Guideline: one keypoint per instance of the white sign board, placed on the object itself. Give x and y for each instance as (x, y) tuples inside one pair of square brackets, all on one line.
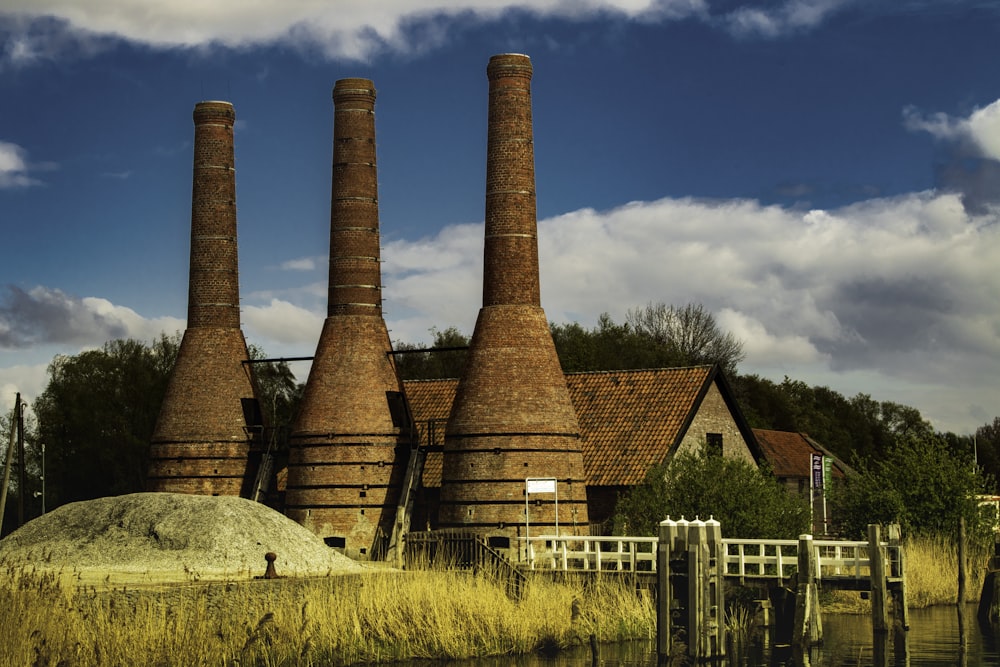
[(540, 485)]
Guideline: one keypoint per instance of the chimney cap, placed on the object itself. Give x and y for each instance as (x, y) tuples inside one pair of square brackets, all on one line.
[(509, 64), (353, 87), (216, 109)]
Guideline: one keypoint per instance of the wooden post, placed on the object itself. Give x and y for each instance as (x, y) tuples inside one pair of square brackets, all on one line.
[(808, 628), (664, 593), (962, 594), (900, 609), (697, 584), (876, 556), (716, 595)]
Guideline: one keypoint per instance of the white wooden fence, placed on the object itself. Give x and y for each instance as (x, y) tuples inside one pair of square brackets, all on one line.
[(743, 559)]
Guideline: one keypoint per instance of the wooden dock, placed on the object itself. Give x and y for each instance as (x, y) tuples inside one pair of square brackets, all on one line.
[(689, 563)]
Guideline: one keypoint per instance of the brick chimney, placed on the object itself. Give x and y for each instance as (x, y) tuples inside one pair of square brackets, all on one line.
[(512, 418), (209, 416), (350, 440)]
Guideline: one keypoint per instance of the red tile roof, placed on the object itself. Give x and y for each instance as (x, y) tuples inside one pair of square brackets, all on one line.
[(629, 420), (788, 453)]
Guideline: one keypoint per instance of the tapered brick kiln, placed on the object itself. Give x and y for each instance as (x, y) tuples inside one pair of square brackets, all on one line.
[(512, 419), (209, 417), (350, 440)]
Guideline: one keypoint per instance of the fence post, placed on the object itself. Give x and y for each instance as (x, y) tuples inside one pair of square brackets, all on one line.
[(666, 535), (808, 628), (876, 558), (716, 587), (900, 609), (697, 580)]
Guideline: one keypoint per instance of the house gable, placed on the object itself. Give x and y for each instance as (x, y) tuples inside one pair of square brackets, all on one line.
[(713, 416)]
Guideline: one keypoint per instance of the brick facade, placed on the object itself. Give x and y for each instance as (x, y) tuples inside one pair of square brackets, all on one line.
[(512, 417), (348, 455), (202, 440), (714, 416)]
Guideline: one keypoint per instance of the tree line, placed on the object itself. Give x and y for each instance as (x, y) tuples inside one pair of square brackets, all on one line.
[(98, 411)]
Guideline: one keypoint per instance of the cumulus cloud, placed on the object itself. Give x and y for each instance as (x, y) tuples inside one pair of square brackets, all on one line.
[(980, 131), (14, 167), (891, 290), (39, 30), (971, 163), (43, 316), (353, 29), (284, 323), (787, 17)]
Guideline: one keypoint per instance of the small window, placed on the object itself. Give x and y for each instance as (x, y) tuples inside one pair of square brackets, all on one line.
[(713, 442)]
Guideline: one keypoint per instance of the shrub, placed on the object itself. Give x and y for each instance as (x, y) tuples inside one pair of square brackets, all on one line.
[(748, 501)]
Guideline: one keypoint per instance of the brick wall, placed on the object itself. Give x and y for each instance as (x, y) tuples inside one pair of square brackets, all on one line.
[(714, 417)]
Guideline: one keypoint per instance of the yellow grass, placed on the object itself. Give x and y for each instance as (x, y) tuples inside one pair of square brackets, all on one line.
[(342, 620), (931, 576)]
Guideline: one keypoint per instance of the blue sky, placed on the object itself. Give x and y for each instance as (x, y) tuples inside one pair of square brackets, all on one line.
[(823, 175)]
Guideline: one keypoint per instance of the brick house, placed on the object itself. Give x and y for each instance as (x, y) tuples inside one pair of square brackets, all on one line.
[(789, 455), (629, 420)]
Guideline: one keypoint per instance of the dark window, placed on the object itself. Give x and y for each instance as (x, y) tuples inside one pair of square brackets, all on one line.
[(714, 444), (335, 542), (498, 541), (251, 412)]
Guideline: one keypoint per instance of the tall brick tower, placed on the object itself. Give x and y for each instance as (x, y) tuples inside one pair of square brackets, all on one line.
[(350, 440), (207, 422), (512, 418)]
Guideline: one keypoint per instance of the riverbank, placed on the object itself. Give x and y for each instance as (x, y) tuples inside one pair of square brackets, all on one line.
[(346, 619), (931, 576), (357, 616)]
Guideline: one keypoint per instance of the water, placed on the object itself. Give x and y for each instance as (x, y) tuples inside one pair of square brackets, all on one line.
[(933, 642)]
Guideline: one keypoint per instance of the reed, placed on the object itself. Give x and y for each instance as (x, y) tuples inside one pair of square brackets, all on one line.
[(931, 575), (341, 620)]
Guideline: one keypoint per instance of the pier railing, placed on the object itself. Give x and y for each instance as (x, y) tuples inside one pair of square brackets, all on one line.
[(837, 561)]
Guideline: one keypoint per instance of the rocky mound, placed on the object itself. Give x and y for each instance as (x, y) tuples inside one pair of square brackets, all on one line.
[(169, 537)]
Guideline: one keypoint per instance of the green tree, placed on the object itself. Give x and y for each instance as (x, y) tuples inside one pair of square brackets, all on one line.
[(440, 360), (920, 484), (277, 390), (97, 415), (748, 501), (987, 448)]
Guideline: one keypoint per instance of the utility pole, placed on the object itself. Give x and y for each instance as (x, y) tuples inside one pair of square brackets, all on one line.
[(7, 463), (22, 478)]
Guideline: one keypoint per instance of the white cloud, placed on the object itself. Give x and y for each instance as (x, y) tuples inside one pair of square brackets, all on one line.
[(896, 297), (791, 16), (980, 130), (300, 264), (14, 167), (38, 30), (28, 380), (900, 289), (44, 316), (283, 323), (351, 29)]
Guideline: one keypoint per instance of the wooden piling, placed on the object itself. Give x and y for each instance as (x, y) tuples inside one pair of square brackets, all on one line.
[(879, 593), (962, 594), (666, 534), (900, 609), (808, 625)]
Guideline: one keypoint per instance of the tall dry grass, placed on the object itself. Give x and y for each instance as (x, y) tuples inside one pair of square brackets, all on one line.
[(931, 576), (932, 571), (342, 620)]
